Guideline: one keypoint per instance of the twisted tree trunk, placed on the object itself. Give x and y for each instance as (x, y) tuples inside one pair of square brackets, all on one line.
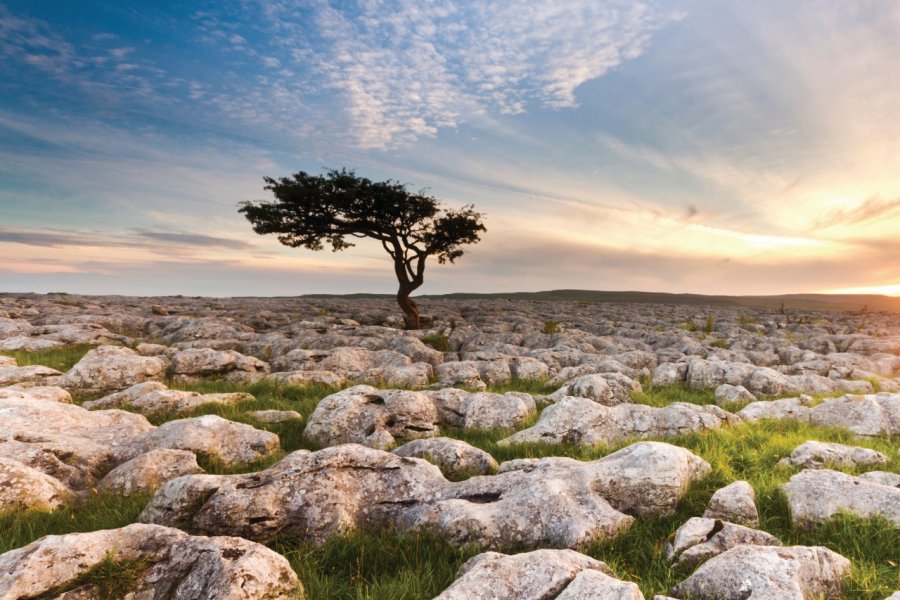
[(410, 309)]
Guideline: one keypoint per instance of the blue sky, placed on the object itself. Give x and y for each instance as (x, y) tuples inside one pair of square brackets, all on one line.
[(713, 147)]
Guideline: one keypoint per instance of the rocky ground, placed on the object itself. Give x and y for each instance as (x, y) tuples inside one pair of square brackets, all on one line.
[(156, 448)]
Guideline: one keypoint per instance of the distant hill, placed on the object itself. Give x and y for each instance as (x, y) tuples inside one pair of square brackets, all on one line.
[(838, 302)]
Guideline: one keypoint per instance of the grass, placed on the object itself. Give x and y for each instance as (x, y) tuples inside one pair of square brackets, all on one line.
[(390, 565), (61, 359), (438, 341)]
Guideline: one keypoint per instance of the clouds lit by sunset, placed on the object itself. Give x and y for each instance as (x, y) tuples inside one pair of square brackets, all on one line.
[(736, 148)]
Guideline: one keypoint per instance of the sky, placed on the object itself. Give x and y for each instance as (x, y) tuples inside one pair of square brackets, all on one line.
[(675, 146)]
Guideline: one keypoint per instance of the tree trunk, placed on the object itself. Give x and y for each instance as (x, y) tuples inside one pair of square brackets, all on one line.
[(410, 309)]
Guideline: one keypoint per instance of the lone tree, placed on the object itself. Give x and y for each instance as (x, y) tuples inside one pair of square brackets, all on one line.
[(310, 210)]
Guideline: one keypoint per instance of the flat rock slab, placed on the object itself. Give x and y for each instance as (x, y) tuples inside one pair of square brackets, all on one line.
[(177, 565), (582, 421), (35, 393), (768, 573), (816, 455), (12, 374), (538, 575), (552, 502), (816, 495), (153, 399)]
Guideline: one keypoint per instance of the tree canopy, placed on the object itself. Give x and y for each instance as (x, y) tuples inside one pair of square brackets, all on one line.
[(311, 211)]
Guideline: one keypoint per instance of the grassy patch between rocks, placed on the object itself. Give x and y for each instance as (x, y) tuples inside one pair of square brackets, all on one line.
[(387, 565), (661, 396), (19, 528), (61, 359)]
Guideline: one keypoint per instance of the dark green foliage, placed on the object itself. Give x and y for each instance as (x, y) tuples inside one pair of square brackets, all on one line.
[(311, 211)]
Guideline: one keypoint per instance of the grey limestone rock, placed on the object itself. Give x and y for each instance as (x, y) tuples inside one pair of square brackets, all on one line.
[(736, 503), (178, 566), (748, 572)]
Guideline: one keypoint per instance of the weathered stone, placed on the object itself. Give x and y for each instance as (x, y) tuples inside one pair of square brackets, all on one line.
[(147, 472), (787, 408), (669, 374), (275, 416), (700, 539), (482, 410), (864, 415), (608, 389), (733, 394), (35, 393), (463, 374), (372, 417), (177, 566), (196, 363), (23, 488), (37, 374), (109, 368), (327, 378), (815, 455), (297, 496), (582, 421), (551, 502), (736, 503), (538, 575), (453, 457), (152, 398), (816, 495), (210, 436), (768, 573)]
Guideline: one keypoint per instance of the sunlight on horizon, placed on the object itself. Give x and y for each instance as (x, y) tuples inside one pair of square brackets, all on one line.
[(883, 290)]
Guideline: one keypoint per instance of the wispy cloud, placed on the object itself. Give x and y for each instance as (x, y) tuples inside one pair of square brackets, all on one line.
[(61, 238), (405, 69)]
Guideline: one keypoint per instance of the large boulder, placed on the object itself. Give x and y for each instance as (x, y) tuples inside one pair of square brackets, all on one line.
[(193, 364), (816, 495), (582, 421), (559, 502), (748, 572), (375, 418), (552, 502), (175, 565), (308, 496), (538, 575), (111, 368), (482, 410), (874, 414)]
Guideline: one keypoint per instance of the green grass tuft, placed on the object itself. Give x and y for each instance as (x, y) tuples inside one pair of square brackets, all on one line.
[(61, 359), (438, 341)]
